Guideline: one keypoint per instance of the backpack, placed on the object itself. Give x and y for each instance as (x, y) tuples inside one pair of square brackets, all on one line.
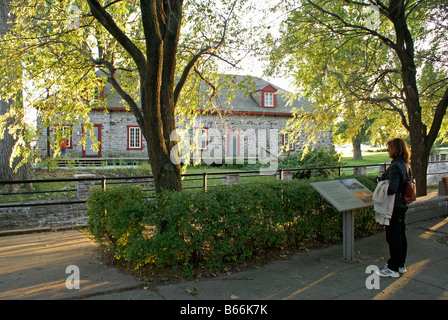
[(409, 194)]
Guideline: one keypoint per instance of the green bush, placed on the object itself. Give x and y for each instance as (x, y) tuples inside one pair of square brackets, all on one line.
[(116, 218), (319, 157), (208, 229)]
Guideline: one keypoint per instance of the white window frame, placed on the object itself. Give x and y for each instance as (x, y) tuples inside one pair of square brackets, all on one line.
[(268, 99), (135, 138)]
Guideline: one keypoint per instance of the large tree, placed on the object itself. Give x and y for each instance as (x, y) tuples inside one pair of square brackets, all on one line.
[(147, 49), (388, 55), (9, 143)]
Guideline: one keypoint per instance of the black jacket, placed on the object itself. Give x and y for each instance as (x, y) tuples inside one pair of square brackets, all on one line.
[(396, 174)]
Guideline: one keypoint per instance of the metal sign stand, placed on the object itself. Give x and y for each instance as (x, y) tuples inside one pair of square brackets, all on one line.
[(346, 196), (348, 243)]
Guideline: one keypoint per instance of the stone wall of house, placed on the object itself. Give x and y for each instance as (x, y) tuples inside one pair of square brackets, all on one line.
[(114, 135), (114, 130), (249, 139)]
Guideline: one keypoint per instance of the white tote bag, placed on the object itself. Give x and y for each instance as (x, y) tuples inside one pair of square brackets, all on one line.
[(383, 204)]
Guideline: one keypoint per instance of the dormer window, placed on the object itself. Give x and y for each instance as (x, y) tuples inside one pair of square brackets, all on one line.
[(269, 97)]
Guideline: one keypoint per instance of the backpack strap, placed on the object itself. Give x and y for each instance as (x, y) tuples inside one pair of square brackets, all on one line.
[(408, 171)]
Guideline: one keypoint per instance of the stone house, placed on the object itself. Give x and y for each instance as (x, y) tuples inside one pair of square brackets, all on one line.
[(242, 127)]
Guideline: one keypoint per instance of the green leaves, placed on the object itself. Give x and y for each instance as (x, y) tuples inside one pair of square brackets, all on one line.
[(211, 228), (56, 50), (344, 58)]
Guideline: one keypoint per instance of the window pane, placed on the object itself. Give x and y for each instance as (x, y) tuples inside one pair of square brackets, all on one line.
[(137, 138), (134, 138), (269, 99)]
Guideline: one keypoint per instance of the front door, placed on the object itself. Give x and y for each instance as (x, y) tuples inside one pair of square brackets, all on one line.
[(90, 150)]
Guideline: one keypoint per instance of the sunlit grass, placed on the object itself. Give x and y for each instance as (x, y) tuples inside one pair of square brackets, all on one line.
[(368, 158)]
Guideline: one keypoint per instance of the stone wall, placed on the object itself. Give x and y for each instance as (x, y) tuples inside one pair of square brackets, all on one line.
[(72, 212), (114, 130), (114, 135), (39, 214), (436, 171), (427, 208), (48, 213)]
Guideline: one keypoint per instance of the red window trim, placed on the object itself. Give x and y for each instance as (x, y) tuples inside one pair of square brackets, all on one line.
[(99, 139), (128, 147), (70, 140), (269, 89)]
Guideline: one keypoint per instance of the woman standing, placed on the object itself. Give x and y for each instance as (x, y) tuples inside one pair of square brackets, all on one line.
[(395, 231)]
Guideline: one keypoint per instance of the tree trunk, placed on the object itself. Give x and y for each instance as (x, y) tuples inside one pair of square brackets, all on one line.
[(420, 145), (357, 155), (419, 163), (6, 146), (7, 143), (156, 83), (166, 174)]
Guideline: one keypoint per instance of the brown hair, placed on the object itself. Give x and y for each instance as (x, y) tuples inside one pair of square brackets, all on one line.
[(399, 148)]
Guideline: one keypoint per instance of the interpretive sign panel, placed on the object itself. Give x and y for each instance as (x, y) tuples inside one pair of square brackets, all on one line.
[(345, 195)]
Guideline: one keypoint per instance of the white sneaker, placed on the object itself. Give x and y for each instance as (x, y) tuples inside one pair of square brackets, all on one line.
[(402, 270), (386, 272)]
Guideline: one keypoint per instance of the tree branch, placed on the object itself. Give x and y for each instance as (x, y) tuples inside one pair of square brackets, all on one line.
[(438, 118), (379, 102), (106, 20), (111, 79), (384, 39), (208, 82), (196, 57)]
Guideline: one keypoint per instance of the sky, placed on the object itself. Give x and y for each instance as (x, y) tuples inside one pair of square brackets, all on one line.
[(266, 17)]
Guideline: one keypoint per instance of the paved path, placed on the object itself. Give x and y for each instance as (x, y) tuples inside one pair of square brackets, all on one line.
[(33, 266)]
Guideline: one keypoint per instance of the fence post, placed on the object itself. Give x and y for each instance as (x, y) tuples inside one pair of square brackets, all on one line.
[(103, 183), (83, 186), (284, 175), (204, 181)]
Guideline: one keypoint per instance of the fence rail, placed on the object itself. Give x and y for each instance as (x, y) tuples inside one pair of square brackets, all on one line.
[(205, 177)]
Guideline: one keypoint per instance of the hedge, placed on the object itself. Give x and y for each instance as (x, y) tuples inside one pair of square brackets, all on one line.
[(225, 223)]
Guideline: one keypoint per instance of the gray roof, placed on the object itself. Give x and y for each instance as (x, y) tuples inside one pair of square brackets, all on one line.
[(242, 94), (235, 93)]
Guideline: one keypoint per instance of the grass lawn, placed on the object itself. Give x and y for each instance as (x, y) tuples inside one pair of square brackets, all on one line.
[(368, 158), (213, 180)]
